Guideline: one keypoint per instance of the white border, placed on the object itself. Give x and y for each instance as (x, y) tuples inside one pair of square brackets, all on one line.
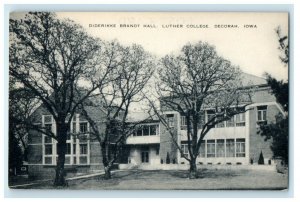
[(4, 102)]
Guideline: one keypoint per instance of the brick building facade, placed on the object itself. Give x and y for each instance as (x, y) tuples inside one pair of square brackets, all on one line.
[(233, 142)]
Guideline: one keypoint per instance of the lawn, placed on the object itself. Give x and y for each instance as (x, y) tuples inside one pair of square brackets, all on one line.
[(209, 179)]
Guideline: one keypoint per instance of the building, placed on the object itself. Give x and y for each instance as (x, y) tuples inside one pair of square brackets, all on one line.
[(232, 142)]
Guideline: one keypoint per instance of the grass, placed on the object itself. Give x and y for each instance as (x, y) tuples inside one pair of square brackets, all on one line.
[(209, 179)]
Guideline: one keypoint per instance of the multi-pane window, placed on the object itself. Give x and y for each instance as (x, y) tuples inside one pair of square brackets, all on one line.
[(77, 149), (220, 148), (230, 149), (146, 130), (240, 120), (211, 148), (240, 147), (48, 142), (185, 150), (170, 120), (261, 113)]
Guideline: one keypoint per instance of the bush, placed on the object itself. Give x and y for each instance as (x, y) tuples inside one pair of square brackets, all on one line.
[(261, 160), (168, 159)]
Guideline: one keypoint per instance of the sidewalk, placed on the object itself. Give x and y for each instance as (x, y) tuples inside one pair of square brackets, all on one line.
[(36, 182)]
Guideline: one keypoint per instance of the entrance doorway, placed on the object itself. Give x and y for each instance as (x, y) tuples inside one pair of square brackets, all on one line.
[(145, 156)]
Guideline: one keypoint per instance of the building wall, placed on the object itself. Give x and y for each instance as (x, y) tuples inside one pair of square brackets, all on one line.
[(135, 154), (254, 142), (167, 145), (37, 169), (257, 142)]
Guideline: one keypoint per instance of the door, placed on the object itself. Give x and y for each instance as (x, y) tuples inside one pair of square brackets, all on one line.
[(145, 156)]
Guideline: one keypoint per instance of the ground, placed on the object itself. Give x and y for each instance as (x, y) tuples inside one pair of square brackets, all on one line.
[(209, 179)]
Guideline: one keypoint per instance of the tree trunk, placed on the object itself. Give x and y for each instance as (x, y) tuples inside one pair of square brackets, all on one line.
[(61, 151), (107, 174), (193, 169), (105, 161)]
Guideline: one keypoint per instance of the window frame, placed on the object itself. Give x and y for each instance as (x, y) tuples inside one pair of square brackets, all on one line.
[(240, 151), (72, 157), (240, 120), (211, 148)]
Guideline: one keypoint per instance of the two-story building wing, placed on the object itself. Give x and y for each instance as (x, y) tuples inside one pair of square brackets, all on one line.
[(232, 142)]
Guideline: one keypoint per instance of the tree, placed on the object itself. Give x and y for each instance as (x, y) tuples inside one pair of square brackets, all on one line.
[(133, 67), (54, 59), (196, 80), (21, 105), (279, 131)]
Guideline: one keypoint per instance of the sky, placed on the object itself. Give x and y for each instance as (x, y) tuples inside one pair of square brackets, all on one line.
[(254, 50)]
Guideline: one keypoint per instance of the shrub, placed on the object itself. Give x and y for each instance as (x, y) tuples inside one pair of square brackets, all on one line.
[(261, 160)]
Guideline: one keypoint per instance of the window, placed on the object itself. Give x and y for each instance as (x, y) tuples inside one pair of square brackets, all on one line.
[(83, 148), (68, 149), (230, 150), (48, 142), (230, 122), (220, 148), (185, 150), (261, 113), (240, 120), (202, 149), (139, 132), (83, 127), (48, 149), (211, 148), (47, 139), (183, 123), (48, 127), (170, 120), (153, 129), (147, 130), (76, 150), (240, 147)]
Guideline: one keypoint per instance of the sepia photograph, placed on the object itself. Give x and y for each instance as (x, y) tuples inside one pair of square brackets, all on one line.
[(149, 100)]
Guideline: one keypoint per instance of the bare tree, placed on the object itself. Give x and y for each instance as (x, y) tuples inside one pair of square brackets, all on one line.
[(54, 59), (283, 46), (21, 105), (133, 67), (197, 80)]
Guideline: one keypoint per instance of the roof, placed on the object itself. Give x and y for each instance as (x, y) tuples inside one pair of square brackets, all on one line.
[(140, 116), (250, 80)]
